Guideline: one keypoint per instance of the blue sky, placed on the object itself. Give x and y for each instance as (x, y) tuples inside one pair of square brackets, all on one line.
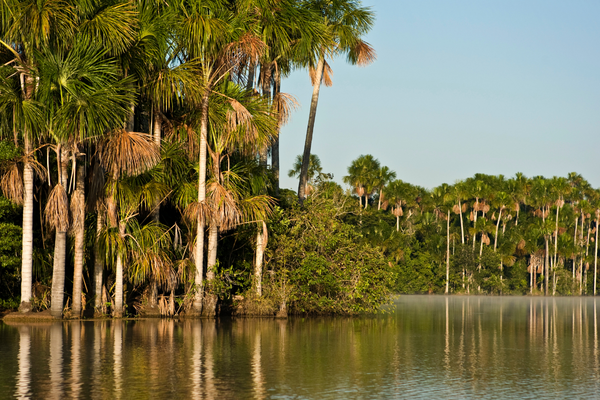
[(461, 87)]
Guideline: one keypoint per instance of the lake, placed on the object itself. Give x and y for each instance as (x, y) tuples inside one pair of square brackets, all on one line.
[(424, 347)]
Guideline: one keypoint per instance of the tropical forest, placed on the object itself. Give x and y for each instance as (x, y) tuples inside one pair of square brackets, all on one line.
[(140, 175)]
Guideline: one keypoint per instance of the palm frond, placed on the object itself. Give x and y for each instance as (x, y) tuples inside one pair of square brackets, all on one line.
[(126, 153), (56, 212)]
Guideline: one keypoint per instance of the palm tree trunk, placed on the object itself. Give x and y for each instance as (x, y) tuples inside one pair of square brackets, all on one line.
[(310, 129), (199, 253), (98, 264), (118, 309), (213, 236), (275, 145), (475, 223), (156, 134), (397, 223), (27, 250), (546, 272), (58, 274), (448, 253), (462, 227), (497, 226), (60, 249), (265, 70), (79, 245), (259, 262), (596, 253), (556, 239)]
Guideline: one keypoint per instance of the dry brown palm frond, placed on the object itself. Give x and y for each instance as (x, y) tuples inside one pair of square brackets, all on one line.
[(128, 153), (77, 212), (283, 105), (238, 115), (485, 239), (385, 205), (12, 183), (360, 191), (485, 207), (521, 244), (225, 212), (471, 216), (194, 209), (365, 54), (456, 209), (560, 203), (516, 207), (398, 212), (464, 207), (325, 78), (57, 209), (247, 49)]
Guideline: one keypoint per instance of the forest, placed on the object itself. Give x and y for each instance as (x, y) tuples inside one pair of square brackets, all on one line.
[(139, 167)]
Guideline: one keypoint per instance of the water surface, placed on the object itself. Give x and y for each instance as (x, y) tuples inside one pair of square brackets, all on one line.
[(429, 346)]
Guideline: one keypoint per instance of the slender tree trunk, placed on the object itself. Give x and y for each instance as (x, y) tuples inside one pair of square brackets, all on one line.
[(213, 236), (275, 145), (265, 71), (79, 245), (157, 136), (60, 249), (118, 306), (199, 253), (462, 227), (546, 271), (98, 264), (448, 254), (27, 250), (260, 248), (497, 226), (596, 253), (397, 223), (475, 222), (556, 239), (310, 129), (58, 274)]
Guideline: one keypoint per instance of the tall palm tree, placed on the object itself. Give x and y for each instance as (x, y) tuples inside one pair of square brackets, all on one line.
[(362, 175), (221, 42), (28, 26), (346, 21), (124, 154), (384, 176)]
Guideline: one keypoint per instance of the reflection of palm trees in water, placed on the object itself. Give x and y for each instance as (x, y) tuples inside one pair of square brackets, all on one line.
[(56, 361), (76, 333), (257, 374), (118, 357), (24, 375)]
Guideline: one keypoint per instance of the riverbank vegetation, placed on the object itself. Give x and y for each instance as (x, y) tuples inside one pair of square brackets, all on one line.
[(139, 165)]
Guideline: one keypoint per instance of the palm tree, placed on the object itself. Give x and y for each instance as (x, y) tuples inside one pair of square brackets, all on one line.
[(315, 171), (346, 21), (362, 175), (384, 176), (442, 196), (124, 154), (28, 26), (219, 39)]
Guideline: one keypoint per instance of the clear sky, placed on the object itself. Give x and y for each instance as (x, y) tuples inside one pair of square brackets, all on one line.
[(461, 87)]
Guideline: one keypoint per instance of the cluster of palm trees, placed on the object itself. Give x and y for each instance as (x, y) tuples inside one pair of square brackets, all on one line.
[(149, 124), (550, 224)]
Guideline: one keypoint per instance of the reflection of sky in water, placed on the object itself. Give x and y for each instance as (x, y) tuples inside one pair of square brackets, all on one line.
[(431, 346)]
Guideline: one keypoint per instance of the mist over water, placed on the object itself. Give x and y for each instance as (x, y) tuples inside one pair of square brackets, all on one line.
[(428, 346)]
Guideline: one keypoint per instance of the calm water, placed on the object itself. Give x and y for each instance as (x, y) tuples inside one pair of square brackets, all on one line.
[(445, 347)]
